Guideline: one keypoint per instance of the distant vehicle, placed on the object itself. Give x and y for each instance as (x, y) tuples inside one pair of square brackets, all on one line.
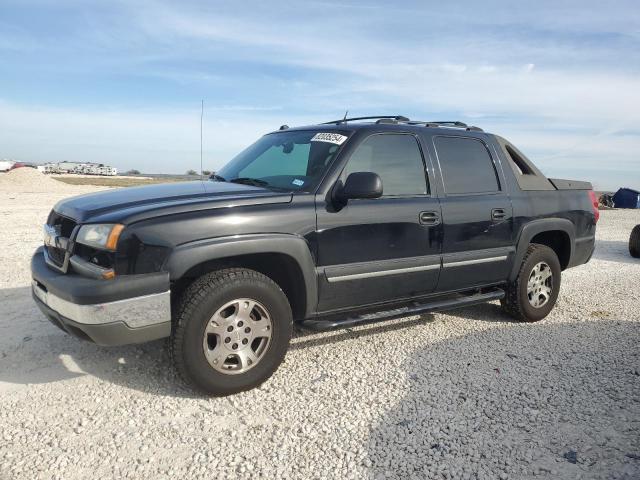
[(23, 164), (328, 226), (6, 165), (48, 168), (80, 168)]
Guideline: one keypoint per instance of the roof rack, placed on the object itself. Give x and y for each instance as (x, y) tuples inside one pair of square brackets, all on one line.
[(396, 119), (449, 124), (390, 117), (456, 124)]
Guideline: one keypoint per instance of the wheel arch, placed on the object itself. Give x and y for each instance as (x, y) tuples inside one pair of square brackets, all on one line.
[(556, 233), (286, 259)]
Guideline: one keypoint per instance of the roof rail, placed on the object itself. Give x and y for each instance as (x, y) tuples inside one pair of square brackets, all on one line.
[(395, 119), (450, 124), (458, 125), (373, 117), (391, 121)]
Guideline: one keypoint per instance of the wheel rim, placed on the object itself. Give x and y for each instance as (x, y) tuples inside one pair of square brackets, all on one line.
[(237, 336), (540, 285)]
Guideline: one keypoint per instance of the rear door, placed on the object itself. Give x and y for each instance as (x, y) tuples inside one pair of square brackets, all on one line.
[(388, 248), (476, 212)]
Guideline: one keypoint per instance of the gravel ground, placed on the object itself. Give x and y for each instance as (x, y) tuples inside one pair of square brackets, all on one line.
[(467, 394)]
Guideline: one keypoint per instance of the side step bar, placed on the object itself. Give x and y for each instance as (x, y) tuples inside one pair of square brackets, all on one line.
[(415, 308)]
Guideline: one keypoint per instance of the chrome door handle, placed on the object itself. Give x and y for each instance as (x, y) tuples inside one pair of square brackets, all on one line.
[(498, 214), (429, 218)]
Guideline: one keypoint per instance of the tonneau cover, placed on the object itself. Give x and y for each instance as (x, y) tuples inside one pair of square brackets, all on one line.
[(561, 184)]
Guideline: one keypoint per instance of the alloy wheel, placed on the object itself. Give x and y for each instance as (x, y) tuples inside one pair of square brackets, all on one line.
[(237, 336), (540, 285)]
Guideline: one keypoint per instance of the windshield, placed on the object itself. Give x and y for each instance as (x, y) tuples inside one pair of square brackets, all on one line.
[(293, 160)]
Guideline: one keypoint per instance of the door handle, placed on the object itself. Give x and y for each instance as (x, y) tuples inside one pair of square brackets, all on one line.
[(498, 214), (429, 218)]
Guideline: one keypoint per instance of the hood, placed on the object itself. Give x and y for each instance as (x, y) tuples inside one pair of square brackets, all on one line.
[(128, 205)]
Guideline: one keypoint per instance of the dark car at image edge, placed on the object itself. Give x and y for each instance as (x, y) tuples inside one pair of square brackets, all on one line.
[(325, 226)]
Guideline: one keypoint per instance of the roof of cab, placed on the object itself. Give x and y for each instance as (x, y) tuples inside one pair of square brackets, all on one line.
[(392, 122)]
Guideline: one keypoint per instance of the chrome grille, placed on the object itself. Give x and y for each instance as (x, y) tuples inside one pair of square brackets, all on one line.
[(56, 255), (64, 225), (57, 232)]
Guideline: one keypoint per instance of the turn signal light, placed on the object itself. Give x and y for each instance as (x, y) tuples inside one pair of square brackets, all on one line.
[(112, 240), (109, 274)]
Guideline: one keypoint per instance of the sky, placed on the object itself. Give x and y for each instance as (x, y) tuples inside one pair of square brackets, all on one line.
[(121, 82)]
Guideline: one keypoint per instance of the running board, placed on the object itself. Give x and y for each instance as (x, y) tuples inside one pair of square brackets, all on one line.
[(415, 308)]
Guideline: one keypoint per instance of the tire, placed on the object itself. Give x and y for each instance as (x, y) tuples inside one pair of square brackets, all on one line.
[(211, 307), (634, 242), (531, 301)]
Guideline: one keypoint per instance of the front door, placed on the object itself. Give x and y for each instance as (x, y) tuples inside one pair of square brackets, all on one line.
[(383, 249)]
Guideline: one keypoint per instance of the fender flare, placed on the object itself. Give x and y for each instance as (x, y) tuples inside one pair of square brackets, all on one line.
[(188, 255), (535, 227)]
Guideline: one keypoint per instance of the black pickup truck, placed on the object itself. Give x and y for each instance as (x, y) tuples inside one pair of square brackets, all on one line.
[(326, 226)]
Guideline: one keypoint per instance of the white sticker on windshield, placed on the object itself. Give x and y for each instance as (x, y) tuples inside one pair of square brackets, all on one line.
[(297, 182), (329, 137)]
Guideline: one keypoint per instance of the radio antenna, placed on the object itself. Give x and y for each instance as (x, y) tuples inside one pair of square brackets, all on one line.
[(201, 117), (345, 115)]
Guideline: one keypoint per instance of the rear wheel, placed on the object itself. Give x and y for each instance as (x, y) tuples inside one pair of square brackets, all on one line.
[(232, 331), (534, 292), (634, 242)]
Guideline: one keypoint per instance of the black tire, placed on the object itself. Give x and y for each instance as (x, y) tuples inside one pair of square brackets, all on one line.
[(516, 301), (634, 242), (196, 306)]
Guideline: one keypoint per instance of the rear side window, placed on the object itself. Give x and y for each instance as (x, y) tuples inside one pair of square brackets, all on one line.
[(396, 158), (466, 165)]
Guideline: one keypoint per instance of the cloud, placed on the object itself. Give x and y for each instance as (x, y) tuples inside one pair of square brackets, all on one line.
[(123, 80)]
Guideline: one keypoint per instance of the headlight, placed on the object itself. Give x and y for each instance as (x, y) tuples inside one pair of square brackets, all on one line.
[(103, 237)]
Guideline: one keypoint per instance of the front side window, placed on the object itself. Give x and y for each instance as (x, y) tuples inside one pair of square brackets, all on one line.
[(466, 166), (293, 160), (396, 158)]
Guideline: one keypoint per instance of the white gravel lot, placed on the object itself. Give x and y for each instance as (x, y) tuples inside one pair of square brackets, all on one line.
[(467, 394)]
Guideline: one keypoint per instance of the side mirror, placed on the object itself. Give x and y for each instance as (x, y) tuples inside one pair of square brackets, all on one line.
[(362, 185)]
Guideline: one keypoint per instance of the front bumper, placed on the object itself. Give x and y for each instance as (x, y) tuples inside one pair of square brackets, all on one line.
[(127, 309)]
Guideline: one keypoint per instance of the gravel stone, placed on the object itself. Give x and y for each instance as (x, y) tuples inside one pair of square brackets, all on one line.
[(464, 395)]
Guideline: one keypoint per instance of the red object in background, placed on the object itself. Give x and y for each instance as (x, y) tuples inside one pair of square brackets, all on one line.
[(18, 165), (594, 204)]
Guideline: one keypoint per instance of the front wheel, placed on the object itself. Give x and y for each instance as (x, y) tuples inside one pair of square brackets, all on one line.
[(231, 332), (535, 290)]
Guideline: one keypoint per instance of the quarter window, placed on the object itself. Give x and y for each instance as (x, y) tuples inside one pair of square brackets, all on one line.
[(466, 166), (396, 158)]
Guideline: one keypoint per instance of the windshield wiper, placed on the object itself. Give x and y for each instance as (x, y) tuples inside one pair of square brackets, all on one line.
[(249, 181), (217, 178), (256, 182)]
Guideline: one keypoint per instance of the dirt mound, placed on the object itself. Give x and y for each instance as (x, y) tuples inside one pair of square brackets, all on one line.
[(31, 180)]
